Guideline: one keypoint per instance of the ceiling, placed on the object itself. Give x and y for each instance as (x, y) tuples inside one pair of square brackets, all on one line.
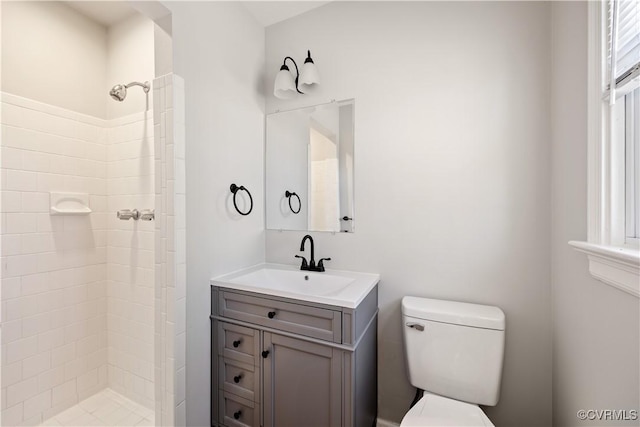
[(106, 13), (271, 12), (266, 12)]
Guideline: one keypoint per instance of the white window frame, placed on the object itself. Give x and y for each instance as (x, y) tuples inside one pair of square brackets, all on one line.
[(612, 259), (632, 173)]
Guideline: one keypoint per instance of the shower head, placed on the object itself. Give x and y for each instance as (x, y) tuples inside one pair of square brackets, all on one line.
[(119, 92)]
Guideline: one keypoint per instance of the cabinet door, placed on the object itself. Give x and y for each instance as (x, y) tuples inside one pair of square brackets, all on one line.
[(302, 383)]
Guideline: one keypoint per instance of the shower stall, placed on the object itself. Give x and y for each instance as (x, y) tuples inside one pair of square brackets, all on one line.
[(93, 255)]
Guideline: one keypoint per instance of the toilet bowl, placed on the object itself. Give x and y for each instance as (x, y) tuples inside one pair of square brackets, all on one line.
[(438, 411), (454, 353)]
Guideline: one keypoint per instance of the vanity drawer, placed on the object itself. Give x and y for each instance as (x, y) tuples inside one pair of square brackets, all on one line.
[(300, 319), (238, 412), (239, 343), (240, 379)]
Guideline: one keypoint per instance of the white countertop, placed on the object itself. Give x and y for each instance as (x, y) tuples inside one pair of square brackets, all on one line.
[(332, 287)]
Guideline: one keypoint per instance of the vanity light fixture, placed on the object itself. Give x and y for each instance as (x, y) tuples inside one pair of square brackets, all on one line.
[(306, 81)]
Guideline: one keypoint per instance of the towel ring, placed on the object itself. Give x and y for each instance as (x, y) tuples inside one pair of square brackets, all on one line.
[(234, 189), (289, 195)]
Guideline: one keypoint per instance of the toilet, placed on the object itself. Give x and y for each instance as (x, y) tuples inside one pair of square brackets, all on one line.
[(454, 353)]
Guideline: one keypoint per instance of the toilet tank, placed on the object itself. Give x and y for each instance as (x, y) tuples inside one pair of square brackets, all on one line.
[(454, 349)]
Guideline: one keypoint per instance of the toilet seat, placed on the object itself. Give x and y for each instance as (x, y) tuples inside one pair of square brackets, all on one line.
[(437, 411)]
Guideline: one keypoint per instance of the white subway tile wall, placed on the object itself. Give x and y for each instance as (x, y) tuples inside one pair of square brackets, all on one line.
[(77, 291), (54, 268), (170, 254), (130, 258)]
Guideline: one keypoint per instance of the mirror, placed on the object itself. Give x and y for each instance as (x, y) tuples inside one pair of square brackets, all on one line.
[(309, 168)]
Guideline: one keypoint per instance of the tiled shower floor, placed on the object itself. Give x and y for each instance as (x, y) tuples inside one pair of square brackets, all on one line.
[(105, 408)]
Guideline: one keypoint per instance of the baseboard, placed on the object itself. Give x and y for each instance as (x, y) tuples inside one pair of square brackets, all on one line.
[(386, 423)]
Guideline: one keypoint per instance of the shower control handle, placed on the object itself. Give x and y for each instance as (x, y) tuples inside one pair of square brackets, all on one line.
[(147, 215), (127, 214)]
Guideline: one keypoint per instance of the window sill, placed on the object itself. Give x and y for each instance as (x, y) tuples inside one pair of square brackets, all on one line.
[(617, 267)]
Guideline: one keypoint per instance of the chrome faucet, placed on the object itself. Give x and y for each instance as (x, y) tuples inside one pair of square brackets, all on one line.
[(311, 265)]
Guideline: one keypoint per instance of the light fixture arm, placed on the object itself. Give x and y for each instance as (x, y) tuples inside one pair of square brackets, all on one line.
[(284, 67)]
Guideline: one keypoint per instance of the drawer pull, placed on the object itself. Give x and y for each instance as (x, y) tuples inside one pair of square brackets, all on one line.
[(237, 414), (237, 378), (265, 354), (237, 343), (271, 314)]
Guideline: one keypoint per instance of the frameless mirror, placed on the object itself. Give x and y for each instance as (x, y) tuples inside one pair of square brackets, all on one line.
[(309, 168)]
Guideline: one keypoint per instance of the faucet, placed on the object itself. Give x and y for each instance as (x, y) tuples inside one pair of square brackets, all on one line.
[(311, 265)]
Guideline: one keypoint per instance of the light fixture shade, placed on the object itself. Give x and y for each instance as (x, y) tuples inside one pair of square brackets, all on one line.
[(309, 77), (284, 86)]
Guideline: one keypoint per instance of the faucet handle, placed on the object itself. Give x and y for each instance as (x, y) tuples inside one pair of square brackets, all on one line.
[(305, 265), (321, 263)]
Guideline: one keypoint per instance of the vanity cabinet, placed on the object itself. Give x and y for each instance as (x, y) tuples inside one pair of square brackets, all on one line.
[(296, 369), (280, 362)]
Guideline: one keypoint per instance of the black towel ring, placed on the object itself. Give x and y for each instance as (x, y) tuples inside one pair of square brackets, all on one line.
[(289, 195), (234, 189)]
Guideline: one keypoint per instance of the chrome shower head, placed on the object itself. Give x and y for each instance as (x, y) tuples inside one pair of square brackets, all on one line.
[(119, 92)]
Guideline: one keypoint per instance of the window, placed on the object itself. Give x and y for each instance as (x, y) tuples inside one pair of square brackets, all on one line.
[(623, 75), (632, 167), (625, 118), (614, 131)]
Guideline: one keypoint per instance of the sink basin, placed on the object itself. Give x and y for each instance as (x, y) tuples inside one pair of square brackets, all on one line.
[(343, 288), (305, 282)]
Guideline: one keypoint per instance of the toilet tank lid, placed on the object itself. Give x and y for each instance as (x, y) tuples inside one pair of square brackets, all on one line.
[(456, 313)]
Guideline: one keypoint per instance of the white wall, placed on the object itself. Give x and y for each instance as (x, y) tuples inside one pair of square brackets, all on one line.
[(596, 344), (219, 51), (64, 58), (60, 57), (131, 58), (54, 326), (452, 170), (71, 152), (130, 257), (54, 268), (130, 160), (286, 162), (170, 224)]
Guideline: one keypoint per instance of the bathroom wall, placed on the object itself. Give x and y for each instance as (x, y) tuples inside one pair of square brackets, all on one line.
[(289, 134), (130, 172), (63, 150), (596, 333), (131, 58), (130, 290), (452, 170), (68, 77), (171, 260), (219, 51), (54, 339)]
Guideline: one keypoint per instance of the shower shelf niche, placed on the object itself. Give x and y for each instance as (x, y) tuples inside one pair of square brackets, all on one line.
[(69, 204)]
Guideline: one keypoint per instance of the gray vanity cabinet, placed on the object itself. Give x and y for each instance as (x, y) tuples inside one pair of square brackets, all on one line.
[(302, 383), (280, 362)]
